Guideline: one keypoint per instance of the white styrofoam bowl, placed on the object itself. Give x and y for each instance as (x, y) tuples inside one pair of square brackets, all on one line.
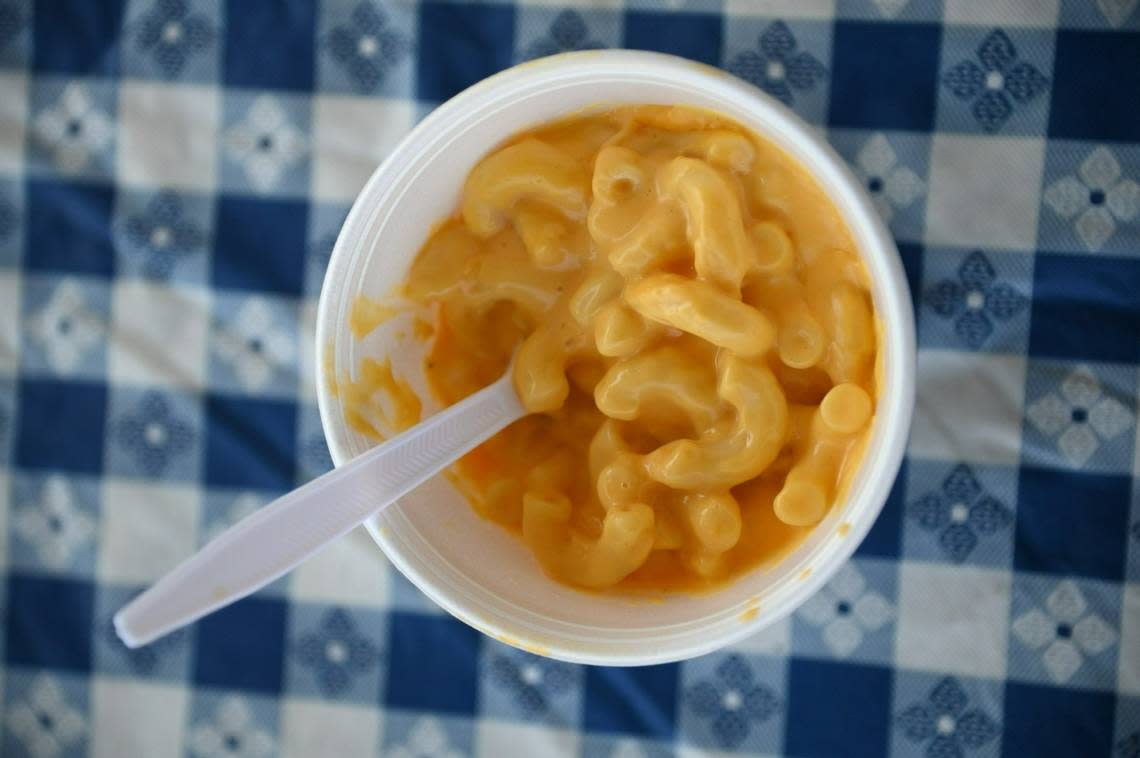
[(473, 568)]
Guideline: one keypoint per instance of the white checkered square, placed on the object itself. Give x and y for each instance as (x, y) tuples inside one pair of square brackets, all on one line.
[(496, 739), (984, 191), (168, 135), (129, 717), (13, 121), (313, 728), (1128, 680), (351, 136), (783, 9), (145, 530), (158, 334), (953, 619), (10, 292), (350, 571), (1002, 12), (983, 394)]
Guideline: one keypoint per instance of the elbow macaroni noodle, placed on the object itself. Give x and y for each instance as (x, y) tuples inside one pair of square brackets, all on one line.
[(694, 339)]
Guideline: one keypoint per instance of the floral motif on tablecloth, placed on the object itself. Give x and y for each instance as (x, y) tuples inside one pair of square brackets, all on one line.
[(44, 721), (1097, 199), (171, 35), (426, 739), (960, 512), (532, 682), (567, 32), (367, 46), (1066, 631), (162, 235), (74, 130), (266, 143), (732, 702), (845, 610), (66, 328), (777, 67), (1080, 416), (231, 733), (55, 525), (944, 725), (255, 344), (998, 85), (975, 300), (154, 434), (337, 652), (890, 183), (145, 660)]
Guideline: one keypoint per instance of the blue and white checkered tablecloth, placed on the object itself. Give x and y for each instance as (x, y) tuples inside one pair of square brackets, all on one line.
[(172, 176)]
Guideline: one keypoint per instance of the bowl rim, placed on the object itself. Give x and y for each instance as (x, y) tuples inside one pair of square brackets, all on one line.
[(884, 454)]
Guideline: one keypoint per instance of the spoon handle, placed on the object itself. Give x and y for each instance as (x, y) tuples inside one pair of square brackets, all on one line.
[(267, 544)]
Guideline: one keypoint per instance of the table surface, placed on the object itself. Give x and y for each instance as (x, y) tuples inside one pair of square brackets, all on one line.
[(172, 177)]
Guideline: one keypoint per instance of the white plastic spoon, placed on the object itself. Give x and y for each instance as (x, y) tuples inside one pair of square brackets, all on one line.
[(278, 537)]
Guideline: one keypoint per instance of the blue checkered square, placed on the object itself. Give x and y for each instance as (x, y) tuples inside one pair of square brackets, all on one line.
[(871, 87), (734, 702), (51, 635), (890, 10), (640, 701), (173, 41), (788, 60), (166, 659), (549, 31), (325, 221), (1080, 416), (163, 236), (250, 443), (894, 168), (1071, 523), (961, 513), (467, 42), (265, 144), (1090, 199), (32, 696), (259, 244), (70, 224), (60, 425), (72, 131), (520, 686), (242, 647), (336, 653), (431, 664), (852, 617), (946, 715), (690, 35), (1084, 308), (254, 345), (232, 720), (994, 80), (827, 700), (313, 457), (65, 322), (366, 47), (11, 222), (1093, 73), (53, 524), (269, 44), (405, 732), (1064, 632), (975, 300), (1107, 15), (77, 37), (154, 434), (15, 34), (7, 420), (1053, 721)]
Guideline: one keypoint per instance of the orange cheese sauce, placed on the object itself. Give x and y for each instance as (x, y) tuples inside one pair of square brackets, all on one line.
[(693, 335)]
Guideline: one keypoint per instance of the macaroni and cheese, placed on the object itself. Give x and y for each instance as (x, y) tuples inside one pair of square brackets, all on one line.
[(694, 339)]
